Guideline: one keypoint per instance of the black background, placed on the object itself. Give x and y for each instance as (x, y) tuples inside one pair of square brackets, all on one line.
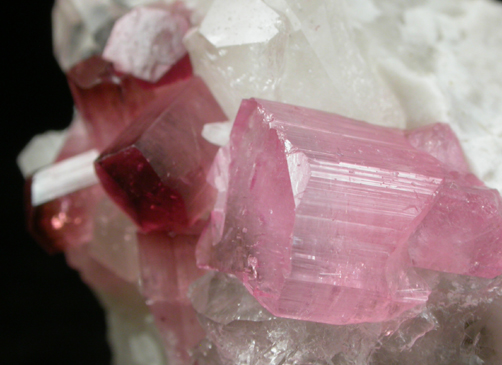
[(47, 316)]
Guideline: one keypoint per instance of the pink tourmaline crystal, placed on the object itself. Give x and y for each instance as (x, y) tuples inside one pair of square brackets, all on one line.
[(156, 170), (147, 41), (318, 211), (167, 269)]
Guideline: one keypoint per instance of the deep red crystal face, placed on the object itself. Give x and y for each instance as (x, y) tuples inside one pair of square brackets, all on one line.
[(130, 180), (156, 169)]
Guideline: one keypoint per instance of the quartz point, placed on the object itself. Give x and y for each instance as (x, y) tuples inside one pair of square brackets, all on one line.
[(156, 169), (146, 42), (318, 211), (167, 269)]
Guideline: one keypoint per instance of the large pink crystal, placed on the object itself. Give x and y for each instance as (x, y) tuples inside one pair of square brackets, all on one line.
[(156, 170), (147, 41), (318, 210)]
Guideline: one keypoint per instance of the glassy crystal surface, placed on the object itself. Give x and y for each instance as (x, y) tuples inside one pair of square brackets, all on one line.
[(156, 170), (452, 328), (318, 211), (278, 49), (146, 42)]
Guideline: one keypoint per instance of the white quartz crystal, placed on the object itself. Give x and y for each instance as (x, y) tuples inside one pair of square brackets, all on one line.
[(41, 151), (389, 62)]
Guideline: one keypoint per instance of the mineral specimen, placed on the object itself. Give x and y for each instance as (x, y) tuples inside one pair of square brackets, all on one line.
[(156, 169), (319, 210), (383, 234)]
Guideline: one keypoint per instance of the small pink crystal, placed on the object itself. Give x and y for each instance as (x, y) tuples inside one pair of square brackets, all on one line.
[(147, 41), (318, 211), (156, 170)]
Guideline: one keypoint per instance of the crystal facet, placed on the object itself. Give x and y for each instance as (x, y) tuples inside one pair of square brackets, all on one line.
[(156, 170)]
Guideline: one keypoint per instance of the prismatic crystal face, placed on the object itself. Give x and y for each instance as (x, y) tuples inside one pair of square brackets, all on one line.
[(318, 211)]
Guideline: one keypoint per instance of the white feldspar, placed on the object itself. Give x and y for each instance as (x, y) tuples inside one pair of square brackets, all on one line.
[(217, 133), (64, 177), (394, 63), (41, 151)]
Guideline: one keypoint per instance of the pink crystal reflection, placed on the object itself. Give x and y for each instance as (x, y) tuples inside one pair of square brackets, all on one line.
[(318, 211), (147, 41), (108, 102), (156, 170), (167, 266)]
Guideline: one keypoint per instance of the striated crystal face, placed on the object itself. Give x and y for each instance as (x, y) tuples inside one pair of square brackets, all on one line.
[(156, 169), (315, 212)]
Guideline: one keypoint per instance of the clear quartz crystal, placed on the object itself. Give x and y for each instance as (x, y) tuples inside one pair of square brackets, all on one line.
[(452, 328)]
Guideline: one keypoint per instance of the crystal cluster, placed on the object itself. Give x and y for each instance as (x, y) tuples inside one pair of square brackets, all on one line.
[(280, 181)]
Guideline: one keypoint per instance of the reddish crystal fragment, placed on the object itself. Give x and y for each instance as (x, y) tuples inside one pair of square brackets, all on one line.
[(156, 169), (107, 101)]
